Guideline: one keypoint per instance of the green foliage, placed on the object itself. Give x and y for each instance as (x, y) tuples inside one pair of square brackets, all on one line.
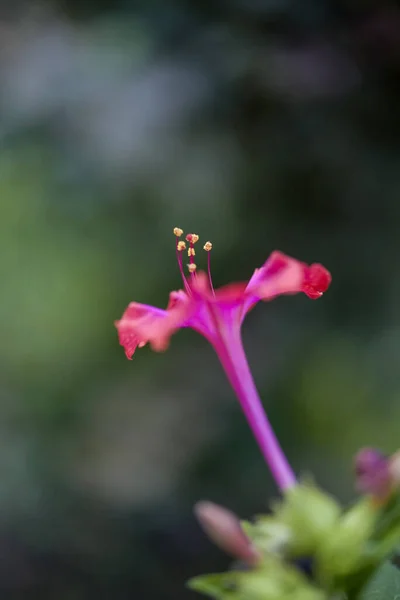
[(272, 580), (219, 585), (311, 517), (344, 549), (384, 585)]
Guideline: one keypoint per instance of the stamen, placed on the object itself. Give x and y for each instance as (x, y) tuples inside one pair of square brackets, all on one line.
[(178, 232), (192, 238), (179, 247), (207, 247)]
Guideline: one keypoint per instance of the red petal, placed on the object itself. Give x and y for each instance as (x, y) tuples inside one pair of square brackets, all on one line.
[(316, 282), (282, 274)]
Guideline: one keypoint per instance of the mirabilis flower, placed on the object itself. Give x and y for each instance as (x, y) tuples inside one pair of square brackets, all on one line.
[(218, 316)]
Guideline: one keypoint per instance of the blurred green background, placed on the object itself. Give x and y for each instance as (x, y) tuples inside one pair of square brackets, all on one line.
[(258, 124)]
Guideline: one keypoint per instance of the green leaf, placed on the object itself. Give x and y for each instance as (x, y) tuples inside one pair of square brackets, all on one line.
[(218, 585), (343, 550), (384, 585), (310, 515)]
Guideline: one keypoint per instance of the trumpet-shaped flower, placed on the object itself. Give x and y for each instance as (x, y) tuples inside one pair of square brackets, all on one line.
[(218, 316)]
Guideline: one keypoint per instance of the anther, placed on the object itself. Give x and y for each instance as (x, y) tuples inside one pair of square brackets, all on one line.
[(207, 246), (192, 238), (178, 232), (191, 252), (181, 246), (192, 267)]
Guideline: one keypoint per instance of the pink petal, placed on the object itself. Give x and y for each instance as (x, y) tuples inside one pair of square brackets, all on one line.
[(282, 274), (230, 294), (142, 323), (128, 326), (216, 312)]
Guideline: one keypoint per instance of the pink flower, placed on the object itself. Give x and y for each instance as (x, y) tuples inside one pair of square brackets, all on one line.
[(218, 316)]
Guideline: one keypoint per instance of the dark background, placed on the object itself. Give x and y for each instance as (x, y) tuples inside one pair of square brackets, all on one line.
[(258, 124)]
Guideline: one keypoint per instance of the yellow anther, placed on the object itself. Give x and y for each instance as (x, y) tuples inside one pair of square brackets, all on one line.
[(191, 252), (207, 246), (192, 267), (192, 238), (181, 246), (178, 232)]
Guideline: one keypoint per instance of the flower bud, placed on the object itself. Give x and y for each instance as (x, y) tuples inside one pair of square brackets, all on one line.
[(224, 529), (373, 474), (394, 470)]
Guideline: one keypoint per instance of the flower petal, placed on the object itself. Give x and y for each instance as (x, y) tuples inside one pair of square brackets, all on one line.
[(133, 318), (282, 274), (316, 282), (229, 294), (216, 311), (142, 323)]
